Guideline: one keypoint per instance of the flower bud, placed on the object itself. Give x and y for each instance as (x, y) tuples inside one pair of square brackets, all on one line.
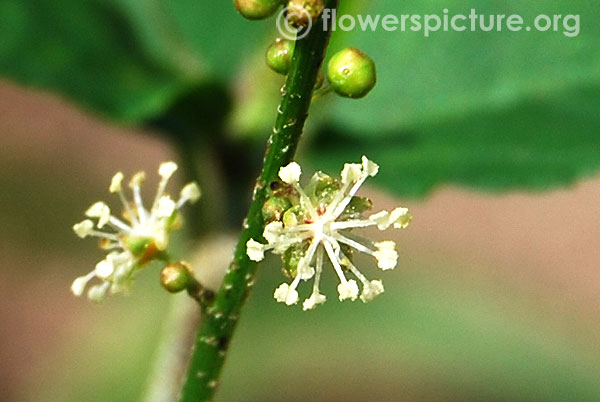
[(279, 56), (176, 277), (352, 73), (301, 12), (257, 9), (274, 208)]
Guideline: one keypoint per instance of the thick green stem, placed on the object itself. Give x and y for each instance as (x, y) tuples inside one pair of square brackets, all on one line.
[(220, 318)]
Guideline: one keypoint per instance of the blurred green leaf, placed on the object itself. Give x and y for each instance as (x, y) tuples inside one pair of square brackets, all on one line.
[(128, 60), (496, 110), (451, 74), (535, 144)]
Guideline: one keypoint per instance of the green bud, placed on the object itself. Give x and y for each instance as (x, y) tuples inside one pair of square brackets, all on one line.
[(326, 189), (356, 207), (300, 12), (274, 208), (352, 73), (176, 277), (291, 258), (257, 9), (294, 216), (279, 56)]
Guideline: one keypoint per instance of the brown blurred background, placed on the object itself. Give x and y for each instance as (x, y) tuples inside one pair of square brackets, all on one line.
[(522, 267)]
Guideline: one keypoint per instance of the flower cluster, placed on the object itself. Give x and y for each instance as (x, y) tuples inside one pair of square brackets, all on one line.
[(305, 224), (140, 237)]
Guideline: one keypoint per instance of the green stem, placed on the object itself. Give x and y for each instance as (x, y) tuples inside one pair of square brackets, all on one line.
[(220, 318)]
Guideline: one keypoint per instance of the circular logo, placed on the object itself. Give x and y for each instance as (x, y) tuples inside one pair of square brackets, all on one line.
[(288, 31)]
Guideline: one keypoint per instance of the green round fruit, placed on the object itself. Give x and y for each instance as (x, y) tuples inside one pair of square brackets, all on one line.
[(351, 73), (279, 56), (257, 9)]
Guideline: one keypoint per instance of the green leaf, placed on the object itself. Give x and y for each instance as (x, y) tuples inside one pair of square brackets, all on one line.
[(496, 110), (128, 60), (423, 80), (535, 144)]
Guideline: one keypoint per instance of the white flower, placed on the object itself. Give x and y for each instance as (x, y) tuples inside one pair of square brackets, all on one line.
[(318, 223), (313, 301), (291, 173), (143, 234), (285, 294), (255, 250)]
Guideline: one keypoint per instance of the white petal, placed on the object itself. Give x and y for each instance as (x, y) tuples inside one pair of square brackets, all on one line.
[(370, 291), (291, 173), (351, 172), (83, 228), (101, 211), (370, 167), (273, 232), (386, 255), (382, 219), (97, 292), (124, 264), (255, 250), (190, 192), (104, 269), (167, 169), (284, 294), (307, 272), (80, 283), (137, 179), (115, 183), (348, 290), (166, 206), (161, 238), (313, 301), (400, 217)]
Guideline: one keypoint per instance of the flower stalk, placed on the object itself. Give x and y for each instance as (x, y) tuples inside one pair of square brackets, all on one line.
[(221, 315)]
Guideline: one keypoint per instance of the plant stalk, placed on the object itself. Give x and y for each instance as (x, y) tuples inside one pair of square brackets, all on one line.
[(220, 316)]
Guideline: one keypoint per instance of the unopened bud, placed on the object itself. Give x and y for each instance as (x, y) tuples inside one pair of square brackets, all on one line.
[(274, 208), (352, 73), (279, 56), (257, 9), (302, 12), (176, 277)]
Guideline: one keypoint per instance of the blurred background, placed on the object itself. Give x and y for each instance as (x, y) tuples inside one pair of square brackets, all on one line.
[(492, 142)]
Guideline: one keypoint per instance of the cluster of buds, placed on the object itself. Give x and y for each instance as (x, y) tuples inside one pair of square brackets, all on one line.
[(304, 225), (141, 236)]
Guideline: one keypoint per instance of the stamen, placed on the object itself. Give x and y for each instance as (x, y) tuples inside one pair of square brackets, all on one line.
[(358, 223), (334, 261), (354, 244), (117, 223), (306, 202)]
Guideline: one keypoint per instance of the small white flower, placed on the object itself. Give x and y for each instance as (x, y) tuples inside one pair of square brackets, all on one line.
[(313, 301), (318, 224), (348, 290), (291, 173), (83, 228), (141, 237), (101, 211), (285, 294), (255, 250), (371, 291), (386, 255)]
